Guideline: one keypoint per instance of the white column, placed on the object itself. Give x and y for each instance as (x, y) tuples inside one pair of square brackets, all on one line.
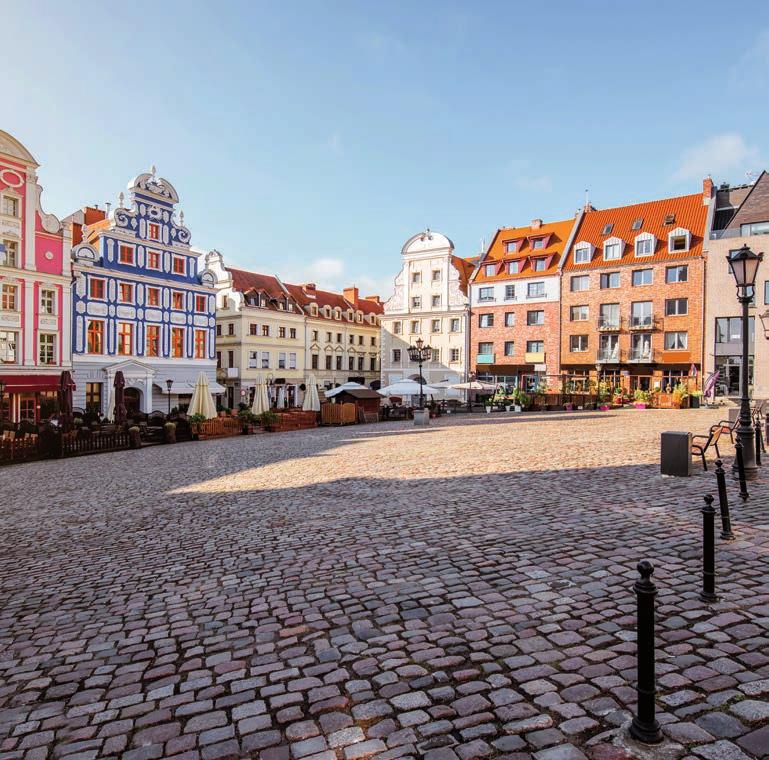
[(65, 304), (28, 324), (30, 209)]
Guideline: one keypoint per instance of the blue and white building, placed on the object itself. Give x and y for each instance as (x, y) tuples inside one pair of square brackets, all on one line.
[(141, 303)]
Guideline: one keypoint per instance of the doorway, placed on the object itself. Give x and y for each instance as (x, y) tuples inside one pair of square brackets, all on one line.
[(132, 398)]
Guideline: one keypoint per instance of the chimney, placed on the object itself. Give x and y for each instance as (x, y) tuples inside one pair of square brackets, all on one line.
[(536, 224), (351, 295), (707, 189)]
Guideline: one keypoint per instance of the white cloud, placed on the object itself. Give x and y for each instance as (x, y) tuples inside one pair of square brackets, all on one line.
[(721, 156)]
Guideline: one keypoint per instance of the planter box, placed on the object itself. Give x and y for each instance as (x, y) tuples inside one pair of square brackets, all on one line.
[(640, 405)]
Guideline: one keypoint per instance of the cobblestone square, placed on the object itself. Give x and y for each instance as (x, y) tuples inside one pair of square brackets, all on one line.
[(460, 591)]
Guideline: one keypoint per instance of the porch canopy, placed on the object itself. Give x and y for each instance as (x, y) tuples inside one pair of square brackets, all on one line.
[(30, 383)]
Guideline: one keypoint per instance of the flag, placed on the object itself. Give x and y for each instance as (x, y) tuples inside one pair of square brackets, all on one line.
[(692, 371), (710, 383)]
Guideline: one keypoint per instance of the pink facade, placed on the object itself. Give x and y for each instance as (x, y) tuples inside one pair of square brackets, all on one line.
[(35, 300)]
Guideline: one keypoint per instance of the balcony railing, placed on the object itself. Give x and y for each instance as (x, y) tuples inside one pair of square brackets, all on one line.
[(641, 355), (643, 323), (609, 324), (485, 358), (534, 357), (609, 356)]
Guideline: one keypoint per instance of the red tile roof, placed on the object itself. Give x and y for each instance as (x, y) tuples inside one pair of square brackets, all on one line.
[(245, 281), (303, 295), (690, 213)]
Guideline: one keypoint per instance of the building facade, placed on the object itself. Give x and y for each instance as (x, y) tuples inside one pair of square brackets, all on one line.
[(142, 303), (632, 293), (741, 218), (35, 308), (430, 302), (515, 305)]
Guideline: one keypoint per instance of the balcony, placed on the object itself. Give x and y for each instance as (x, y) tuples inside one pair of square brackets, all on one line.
[(609, 324), (643, 323), (609, 356), (534, 357), (641, 356), (485, 358)]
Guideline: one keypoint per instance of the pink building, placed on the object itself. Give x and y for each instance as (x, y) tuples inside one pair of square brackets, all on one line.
[(35, 297)]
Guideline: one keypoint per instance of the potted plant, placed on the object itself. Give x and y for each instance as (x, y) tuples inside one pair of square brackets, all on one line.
[(569, 407), (247, 419), (695, 399), (680, 396), (169, 432), (487, 405), (641, 398), (196, 420), (268, 420)]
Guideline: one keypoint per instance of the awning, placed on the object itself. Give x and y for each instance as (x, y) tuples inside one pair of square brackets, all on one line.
[(30, 383)]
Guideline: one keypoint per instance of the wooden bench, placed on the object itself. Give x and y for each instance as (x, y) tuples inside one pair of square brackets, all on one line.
[(701, 443)]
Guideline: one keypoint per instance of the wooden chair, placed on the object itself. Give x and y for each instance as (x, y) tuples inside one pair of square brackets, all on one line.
[(701, 443)]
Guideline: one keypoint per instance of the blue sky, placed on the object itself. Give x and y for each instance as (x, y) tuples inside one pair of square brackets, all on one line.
[(311, 139)]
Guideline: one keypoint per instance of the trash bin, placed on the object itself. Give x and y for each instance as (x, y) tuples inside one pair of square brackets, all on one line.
[(676, 454), (421, 417)]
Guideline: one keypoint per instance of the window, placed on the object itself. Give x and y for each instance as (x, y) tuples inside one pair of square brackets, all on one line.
[(416, 302), (582, 254), (8, 298), (641, 314), (538, 244), (360, 337), (179, 265), (47, 301), (642, 277), (46, 348), (579, 313), (10, 205), (93, 397), (486, 294), (230, 328), (454, 325), (253, 328), (535, 290), (678, 242), (8, 346), (607, 229), (230, 358), (416, 277), (265, 331), (281, 332), (125, 338), (292, 333), (314, 334), (485, 320), (644, 246), (125, 254), (535, 317), (578, 343), (253, 360), (436, 302), (218, 359), (538, 265), (608, 316), (373, 340), (153, 259), (754, 228), (435, 326), (153, 340), (609, 280), (96, 288), (218, 330), (612, 251), (339, 337), (729, 330), (11, 256), (153, 231), (396, 355), (608, 348), (535, 346), (352, 340), (281, 360), (453, 355), (637, 223), (490, 270), (397, 328), (677, 273), (414, 326), (676, 307), (435, 355), (513, 267), (177, 300), (437, 275), (266, 360), (486, 347), (580, 282), (509, 319), (676, 341), (200, 344), (338, 362), (509, 347), (511, 246), (177, 342), (361, 360), (314, 361), (125, 292), (329, 359), (153, 296), (201, 303), (95, 336)]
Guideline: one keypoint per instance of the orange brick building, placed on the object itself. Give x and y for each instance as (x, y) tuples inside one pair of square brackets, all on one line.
[(632, 292), (514, 304)]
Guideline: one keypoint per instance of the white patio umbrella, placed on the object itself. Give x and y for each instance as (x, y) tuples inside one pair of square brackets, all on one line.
[(311, 401), (261, 402), (281, 402), (474, 385), (407, 388), (202, 401), (344, 387)]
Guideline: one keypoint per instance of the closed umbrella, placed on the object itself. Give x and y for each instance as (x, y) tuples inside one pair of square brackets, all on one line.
[(202, 401), (281, 402), (66, 388), (311, 401), (121, 413), (261, 403)]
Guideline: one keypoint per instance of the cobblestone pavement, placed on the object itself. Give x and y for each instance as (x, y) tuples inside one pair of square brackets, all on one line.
[(462, 591)]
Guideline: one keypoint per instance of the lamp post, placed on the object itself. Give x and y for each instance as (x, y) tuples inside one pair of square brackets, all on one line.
[(169, 383), (744, 267), (2, 401), (420, 353)]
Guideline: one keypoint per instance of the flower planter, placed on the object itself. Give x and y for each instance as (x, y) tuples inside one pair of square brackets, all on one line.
[(604, 408), (568, 407), (488, 410), (639, 405)]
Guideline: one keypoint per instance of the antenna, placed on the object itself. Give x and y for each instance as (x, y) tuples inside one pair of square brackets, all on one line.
[(751, 175), (587, 197)]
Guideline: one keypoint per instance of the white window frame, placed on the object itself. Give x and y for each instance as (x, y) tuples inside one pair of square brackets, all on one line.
[(123, 244), (14, 196), (159, 267), (643, 238), (580, 248), (679, 232), (609, 243), (685, 333), (52, 337), (54, 299)]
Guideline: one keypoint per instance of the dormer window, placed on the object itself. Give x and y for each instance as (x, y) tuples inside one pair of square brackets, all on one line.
[(582, 254), (637, 224), (337, 314), (538, 265), (511, 246), (490, 270), (670, 219), (513, 267), (644, 244), (314, 309), (612, 249), (608, 228), (538, 244), (679, 240)]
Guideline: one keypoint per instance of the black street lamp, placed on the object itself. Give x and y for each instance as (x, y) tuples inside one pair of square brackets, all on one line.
[(420, 353), (169, 383), (744, 266)]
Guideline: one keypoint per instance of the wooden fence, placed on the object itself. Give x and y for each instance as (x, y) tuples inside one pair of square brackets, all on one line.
[(73, 445), (219, 427), (338, 414), (23, 449)]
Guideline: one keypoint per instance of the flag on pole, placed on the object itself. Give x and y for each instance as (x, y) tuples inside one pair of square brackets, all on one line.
[(693, 371), (710, 383)]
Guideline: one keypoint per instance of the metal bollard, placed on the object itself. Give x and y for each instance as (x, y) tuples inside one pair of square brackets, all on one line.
[(708, 593), (723, 501), (759, 442), (644, 726), (741, 470)]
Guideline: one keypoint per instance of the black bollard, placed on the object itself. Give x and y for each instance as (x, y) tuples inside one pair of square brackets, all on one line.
[(741, 469), (723, 501), (644, 726), (708, 593), (759, 442)]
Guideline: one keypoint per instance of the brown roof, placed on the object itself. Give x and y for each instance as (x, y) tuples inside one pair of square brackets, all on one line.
[(245, 281), (309, 294)]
